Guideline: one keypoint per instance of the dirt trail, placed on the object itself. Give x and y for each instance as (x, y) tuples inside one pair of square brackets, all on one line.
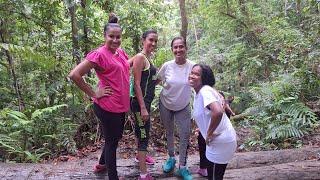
[(301, 163)]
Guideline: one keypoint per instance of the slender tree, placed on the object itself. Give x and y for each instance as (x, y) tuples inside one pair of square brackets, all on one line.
[(4, 35), (74, 26), (184, 19)]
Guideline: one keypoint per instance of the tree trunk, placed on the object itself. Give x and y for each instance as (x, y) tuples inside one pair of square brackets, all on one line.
[(3, 35), (15, 81), (184, 20), (243, 10), (239, 117), (267, 158), (293, 170), (135, 35), (196, 37), (136, 41), (85, 27), (298, 11), (285, 7), (74, 27), (108, 6), (228, 7), (298, 7)]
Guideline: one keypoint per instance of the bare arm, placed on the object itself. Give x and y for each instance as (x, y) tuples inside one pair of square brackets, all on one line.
[(160, 73), (130, 61), (216, 117), (138, 66), (76, 76), (228, 109)]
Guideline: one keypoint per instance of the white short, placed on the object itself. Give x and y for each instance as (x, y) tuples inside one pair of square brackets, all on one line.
[(221, 153)]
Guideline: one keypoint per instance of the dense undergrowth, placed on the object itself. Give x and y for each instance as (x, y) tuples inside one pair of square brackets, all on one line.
[(265, 53)]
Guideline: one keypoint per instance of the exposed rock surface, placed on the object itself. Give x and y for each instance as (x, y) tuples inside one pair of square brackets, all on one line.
[(301, 163)]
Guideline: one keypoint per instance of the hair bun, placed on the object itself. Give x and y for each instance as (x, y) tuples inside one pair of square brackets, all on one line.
[(113, 18)]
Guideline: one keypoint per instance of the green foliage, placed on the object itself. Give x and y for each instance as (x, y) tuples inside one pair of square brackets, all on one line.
[(138, 17), (162, 56), (155, 102), (281, 113), (267, 50), (248, 44), (25, 136)]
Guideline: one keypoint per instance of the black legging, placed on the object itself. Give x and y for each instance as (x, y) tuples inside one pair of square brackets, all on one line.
[(112, 127), (204, 163), (216, 171)]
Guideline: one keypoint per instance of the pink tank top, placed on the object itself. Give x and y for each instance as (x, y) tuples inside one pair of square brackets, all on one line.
[(116, 72)]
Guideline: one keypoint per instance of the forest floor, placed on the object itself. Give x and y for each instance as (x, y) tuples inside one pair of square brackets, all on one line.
[(300, 163)]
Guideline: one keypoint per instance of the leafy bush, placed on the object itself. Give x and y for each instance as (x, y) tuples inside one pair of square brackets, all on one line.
[(32, 136), (281, 114)]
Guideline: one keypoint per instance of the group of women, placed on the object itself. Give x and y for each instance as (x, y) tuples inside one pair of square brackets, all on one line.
[(112, 100)]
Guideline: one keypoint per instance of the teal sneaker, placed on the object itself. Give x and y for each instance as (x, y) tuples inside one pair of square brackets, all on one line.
[(184, 173), (169, 165)]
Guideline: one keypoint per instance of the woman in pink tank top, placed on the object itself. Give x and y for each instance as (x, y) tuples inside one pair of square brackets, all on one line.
[(111, 97)]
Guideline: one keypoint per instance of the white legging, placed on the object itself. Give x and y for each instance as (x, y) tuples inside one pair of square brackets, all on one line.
[(183, 122)]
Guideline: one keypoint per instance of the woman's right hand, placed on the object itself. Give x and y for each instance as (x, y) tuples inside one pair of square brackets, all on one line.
[(101, 92), (144, 114), (210, 136)]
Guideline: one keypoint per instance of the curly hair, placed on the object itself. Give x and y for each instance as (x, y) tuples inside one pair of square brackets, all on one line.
[(207, 76)]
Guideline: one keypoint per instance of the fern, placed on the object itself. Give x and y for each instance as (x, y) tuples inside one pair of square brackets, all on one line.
[(300, 113), (19, 118), (280, 132), (25, 136), (7, 142), (49, 110), (280, 114)]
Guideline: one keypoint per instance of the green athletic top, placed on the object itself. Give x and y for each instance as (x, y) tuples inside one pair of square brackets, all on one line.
[(147, 84)]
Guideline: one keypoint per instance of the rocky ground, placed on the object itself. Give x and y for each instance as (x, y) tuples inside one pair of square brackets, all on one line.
[(303, 163)]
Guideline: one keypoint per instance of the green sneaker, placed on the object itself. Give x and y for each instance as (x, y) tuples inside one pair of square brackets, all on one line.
[(169, 165), (184, 173)]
